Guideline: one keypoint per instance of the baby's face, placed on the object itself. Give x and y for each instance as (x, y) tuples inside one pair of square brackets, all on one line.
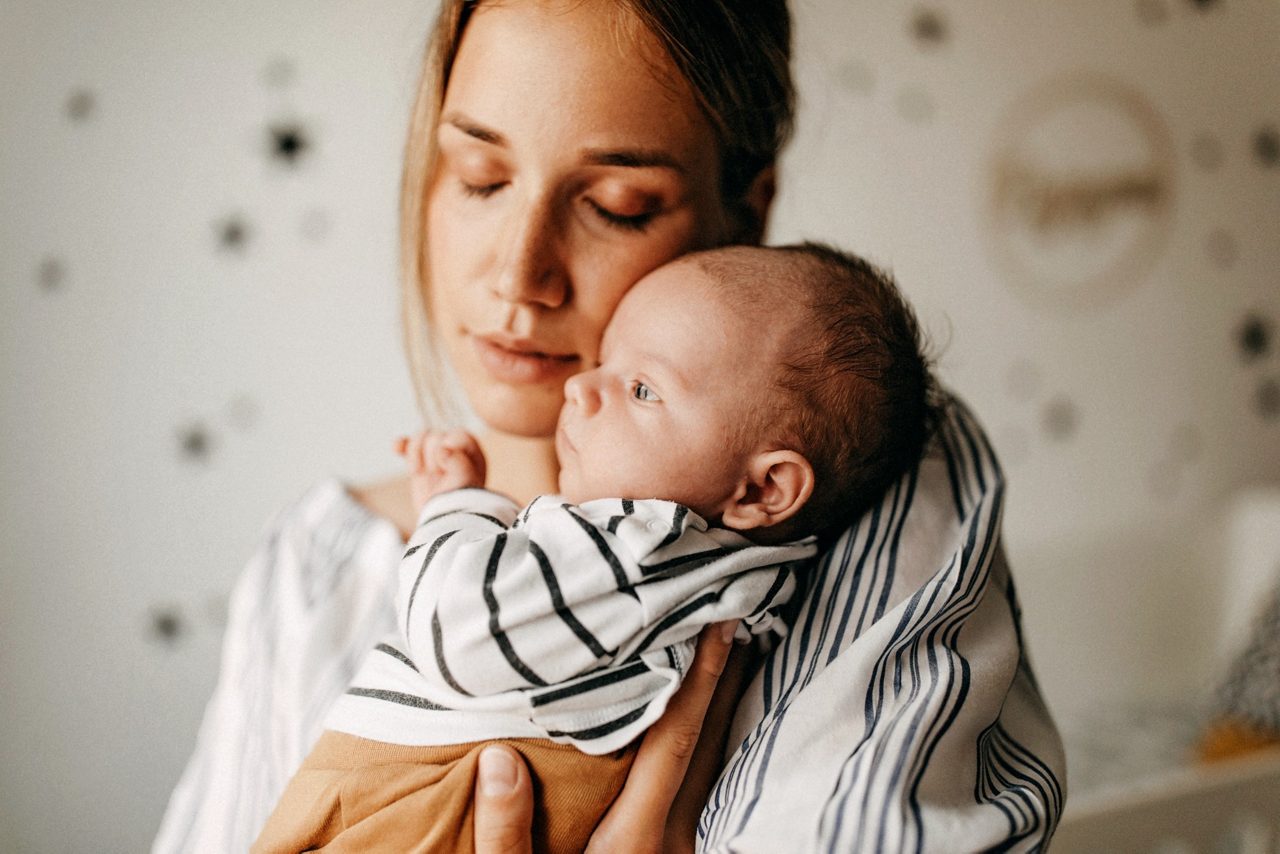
[(667, 413)]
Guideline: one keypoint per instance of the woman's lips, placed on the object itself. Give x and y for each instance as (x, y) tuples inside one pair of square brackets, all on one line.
[(518, 362)]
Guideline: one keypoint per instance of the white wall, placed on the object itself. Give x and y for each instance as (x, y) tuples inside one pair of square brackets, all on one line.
[(1123, 406)]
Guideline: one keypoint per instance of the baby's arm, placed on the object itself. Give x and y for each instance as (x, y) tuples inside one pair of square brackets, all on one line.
[(439, 462)]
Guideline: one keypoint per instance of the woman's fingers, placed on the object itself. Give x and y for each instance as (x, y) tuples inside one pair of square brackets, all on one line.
[(503, 803), (637, 820)]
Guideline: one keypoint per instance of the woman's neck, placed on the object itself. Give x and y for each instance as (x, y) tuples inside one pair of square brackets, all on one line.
[(519, 466)]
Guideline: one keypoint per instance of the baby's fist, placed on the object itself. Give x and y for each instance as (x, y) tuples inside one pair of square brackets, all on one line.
[(439, 462)]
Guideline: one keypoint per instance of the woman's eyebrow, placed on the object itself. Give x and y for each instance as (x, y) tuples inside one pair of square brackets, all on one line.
[(636, 158), (474, 129)]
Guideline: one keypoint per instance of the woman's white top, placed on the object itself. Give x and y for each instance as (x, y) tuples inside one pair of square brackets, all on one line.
[(899, 714), (569, 622)]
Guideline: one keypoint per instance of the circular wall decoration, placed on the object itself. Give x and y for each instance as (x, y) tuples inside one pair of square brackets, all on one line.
[(1081, 192)]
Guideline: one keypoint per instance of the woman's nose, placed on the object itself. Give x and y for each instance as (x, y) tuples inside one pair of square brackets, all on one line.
[(530, 270), (580, 391)]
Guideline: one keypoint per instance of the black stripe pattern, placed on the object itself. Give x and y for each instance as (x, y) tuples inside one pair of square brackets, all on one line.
[(579, 620)]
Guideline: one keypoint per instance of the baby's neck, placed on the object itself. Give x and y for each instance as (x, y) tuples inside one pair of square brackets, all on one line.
[(519, 466)]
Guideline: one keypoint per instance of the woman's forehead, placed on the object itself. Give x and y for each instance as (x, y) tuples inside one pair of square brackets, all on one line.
[(573, 75)]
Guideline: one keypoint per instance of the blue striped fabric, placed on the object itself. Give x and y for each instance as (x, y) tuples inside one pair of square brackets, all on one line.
[(900, 714)]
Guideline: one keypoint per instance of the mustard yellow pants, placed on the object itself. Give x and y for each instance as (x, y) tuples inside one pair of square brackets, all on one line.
[(353, 794)]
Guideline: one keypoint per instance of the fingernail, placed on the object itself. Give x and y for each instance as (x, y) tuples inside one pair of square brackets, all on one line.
[(727, 631), (497, 772)]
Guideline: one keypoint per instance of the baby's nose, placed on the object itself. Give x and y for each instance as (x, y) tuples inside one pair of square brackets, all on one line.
[(580, 391)]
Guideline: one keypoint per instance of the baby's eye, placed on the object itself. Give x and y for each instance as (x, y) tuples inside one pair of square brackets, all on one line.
[(640, 391)]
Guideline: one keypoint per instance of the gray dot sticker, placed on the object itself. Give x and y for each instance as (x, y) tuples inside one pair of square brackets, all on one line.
[(1254, 338), (1060, 419), (195, 443), (1266, 147), (233, 233), (166, 624), (929, 28), (80, 105), (51, 274), (289, 142)]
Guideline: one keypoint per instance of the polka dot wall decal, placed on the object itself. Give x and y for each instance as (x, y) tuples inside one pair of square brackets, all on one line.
[(1266, 147), (80, 104), (1267, 399), (233, 233), (166, 624), (51, 274), (856, 76), (1221, 249), (279, 72), (1060, 419), (1254, 338), (1152, 11), (195, 443), (915, 105), (928, 28), (289, 142), (1206, 152)]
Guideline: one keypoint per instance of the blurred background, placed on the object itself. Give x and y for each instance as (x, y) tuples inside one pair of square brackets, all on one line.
[(198, 320)]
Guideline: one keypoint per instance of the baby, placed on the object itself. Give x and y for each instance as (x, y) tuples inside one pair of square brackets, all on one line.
[(748, 400)]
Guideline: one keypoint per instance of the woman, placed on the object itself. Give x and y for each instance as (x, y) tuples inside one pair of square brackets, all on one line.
[(558, 152)]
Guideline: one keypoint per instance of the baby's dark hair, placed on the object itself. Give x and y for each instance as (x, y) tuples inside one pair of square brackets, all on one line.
[(858, 396)]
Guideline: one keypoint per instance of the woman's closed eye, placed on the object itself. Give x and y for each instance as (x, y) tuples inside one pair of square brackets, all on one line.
[(481, 191), (626, 222), (640, 391)]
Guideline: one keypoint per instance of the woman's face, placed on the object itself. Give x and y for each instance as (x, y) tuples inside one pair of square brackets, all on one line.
[(572, 161)]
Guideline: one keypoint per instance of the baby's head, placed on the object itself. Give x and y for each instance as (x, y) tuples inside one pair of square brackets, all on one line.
[(775, 391)]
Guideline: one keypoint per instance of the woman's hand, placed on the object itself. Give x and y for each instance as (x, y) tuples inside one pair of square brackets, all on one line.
[(659, 806)]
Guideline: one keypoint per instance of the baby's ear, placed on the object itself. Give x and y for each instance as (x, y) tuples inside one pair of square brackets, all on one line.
[(776, 486)]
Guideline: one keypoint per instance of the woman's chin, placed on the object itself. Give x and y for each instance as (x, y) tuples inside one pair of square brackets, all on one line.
[(528, 411)]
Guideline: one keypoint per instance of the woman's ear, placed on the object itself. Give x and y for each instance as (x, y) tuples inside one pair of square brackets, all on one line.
[(777, 485), (754, 207)]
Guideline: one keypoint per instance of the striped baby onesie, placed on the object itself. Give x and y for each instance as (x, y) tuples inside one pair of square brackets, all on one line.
[(574, 623)]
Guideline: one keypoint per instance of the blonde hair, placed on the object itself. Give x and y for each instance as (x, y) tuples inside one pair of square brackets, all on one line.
[(736, 59)]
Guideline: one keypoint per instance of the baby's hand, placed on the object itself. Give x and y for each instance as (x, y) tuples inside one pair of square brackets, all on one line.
[(439, 462)]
